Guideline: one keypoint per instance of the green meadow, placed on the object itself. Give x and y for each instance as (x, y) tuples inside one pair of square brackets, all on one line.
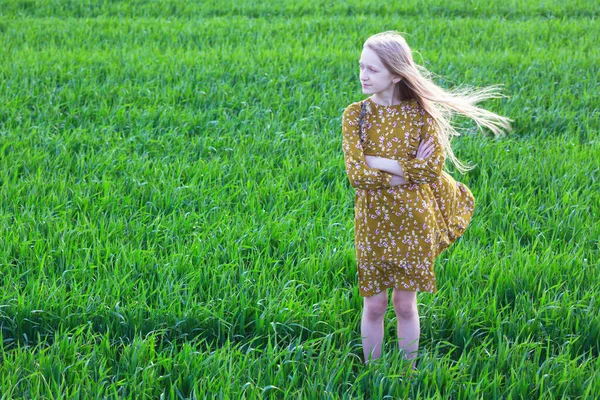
[(176, 221)]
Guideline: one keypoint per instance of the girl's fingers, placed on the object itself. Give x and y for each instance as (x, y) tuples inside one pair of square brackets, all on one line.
[(427, 143), (425, 148)]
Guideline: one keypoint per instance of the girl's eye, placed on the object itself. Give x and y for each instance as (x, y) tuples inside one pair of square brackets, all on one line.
[(370, 69)]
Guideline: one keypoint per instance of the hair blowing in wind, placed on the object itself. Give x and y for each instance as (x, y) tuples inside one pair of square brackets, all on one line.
[(442, 104)]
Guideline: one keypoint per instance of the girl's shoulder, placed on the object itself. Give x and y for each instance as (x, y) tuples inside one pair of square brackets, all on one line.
[(353, 112), (353, 107)]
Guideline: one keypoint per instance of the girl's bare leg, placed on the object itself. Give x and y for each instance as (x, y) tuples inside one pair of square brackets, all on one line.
[(409, 328), (372, 324)]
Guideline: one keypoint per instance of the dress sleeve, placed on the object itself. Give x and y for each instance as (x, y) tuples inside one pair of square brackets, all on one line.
[(360, 175), (426, 170)]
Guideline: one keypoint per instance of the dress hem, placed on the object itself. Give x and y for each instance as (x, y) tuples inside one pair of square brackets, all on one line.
[(364, 294)]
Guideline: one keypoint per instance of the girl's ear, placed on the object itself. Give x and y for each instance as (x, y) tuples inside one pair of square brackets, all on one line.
[(397, 79)]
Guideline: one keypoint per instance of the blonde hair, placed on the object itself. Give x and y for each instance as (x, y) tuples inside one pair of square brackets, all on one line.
[(441, 104)]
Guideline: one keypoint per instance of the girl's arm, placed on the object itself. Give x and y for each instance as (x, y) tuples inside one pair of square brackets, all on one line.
[(428, 169), (360, 174), (385, 164), (426, 148)]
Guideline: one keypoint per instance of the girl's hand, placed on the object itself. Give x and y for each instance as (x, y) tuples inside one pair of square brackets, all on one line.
[(397, 180), (425, 149), (371, 161)]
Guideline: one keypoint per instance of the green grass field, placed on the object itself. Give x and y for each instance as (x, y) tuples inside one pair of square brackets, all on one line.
[(176, 221)]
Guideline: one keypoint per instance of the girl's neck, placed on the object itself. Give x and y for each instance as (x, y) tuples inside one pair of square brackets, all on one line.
[(384, 100)]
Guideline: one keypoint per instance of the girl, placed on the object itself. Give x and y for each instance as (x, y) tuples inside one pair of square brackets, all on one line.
[(407, 210)]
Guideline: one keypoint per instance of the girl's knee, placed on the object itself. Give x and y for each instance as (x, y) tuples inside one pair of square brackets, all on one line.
[(405, 304), (406, 311), (375, 306)]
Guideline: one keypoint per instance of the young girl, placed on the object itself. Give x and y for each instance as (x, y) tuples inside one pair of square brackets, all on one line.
[(407, 210)]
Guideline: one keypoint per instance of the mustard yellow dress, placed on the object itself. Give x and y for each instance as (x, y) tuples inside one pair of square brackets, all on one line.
[(400, 230)]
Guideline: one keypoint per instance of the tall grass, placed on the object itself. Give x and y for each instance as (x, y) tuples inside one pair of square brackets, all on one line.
[(175, 219)]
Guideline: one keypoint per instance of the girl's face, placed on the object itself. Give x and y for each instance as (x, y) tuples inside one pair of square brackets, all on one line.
[(374, 76)]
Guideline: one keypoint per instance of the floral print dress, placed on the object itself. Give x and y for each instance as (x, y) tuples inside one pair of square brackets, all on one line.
[(400, 230)]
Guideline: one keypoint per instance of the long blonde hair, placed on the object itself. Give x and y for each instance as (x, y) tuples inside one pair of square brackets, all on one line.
[(443, 105)]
